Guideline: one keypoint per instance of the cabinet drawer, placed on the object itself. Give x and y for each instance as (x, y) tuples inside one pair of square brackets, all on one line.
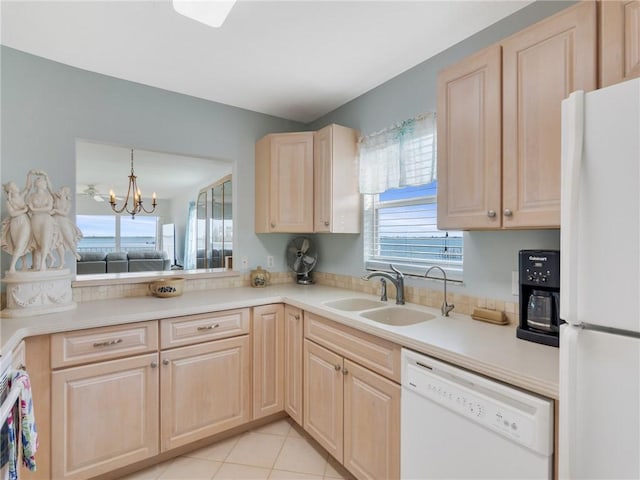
[(370, 351), (179, 331), (104, 343)]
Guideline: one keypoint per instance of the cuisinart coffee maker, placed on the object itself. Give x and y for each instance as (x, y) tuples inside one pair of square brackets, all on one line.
[(539, 296)]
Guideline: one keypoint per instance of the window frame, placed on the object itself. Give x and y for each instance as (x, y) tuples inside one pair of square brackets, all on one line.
[(118, 233), (411, 267)]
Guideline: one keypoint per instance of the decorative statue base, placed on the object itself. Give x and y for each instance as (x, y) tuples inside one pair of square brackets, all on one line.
[(38, 293)]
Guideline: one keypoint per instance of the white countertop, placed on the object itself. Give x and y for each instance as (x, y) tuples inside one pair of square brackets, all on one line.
[(492, 350)]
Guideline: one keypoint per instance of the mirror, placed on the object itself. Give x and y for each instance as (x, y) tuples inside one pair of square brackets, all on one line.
[(189, 190)]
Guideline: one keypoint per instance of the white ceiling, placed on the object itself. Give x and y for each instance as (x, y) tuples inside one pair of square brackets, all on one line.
[(169, 175), (292, 59)]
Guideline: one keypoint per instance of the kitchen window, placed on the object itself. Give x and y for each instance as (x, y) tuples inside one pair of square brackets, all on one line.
[(398, 180)]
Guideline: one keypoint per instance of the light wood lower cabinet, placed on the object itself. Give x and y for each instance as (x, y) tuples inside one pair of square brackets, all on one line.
[(352, 412), (105, 416), (371, 424), (323, 393), (293, 361), (268, 360), (205, 389)]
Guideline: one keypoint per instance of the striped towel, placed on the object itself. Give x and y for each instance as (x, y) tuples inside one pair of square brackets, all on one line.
[(28, 432)]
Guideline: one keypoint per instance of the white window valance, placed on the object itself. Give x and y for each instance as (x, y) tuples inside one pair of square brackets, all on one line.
[(399, 156)]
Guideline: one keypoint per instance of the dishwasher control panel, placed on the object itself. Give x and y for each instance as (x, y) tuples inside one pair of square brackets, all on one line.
[(525, 418)]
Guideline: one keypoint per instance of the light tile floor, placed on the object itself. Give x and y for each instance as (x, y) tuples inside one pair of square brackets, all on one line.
[(276, 451)]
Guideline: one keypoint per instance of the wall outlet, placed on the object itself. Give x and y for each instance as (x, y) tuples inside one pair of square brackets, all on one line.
[(269, 261), (244, 263), (515, 284)]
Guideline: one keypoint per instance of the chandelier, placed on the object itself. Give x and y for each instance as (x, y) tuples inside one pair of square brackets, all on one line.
[(136, 206)]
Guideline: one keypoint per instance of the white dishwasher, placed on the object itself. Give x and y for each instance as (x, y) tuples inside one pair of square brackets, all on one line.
[(456, 424)]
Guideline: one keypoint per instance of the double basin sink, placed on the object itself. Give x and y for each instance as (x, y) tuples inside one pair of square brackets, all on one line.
[(378, 311)]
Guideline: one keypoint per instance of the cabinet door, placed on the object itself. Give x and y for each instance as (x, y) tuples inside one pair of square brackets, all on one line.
[(619, 41), (293, 360), (371, 424), (542, 65), (322, 179), (337, 200), (284, 183), (469, 142), (323, 390), (268, 360), (106, 416), (205, 389)]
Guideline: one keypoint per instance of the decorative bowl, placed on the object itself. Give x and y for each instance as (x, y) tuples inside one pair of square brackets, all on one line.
[(167, 287)]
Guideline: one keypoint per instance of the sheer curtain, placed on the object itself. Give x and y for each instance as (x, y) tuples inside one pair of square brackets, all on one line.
[(399, 156), (190, 239)]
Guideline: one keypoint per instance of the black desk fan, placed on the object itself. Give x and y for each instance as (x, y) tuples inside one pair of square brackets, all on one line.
[(301, 258)]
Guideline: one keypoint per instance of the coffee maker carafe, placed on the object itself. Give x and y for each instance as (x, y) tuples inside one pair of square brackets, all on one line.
[(539, 296)]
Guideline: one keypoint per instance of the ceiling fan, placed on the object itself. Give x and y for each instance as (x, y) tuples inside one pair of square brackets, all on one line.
[(93, 192)]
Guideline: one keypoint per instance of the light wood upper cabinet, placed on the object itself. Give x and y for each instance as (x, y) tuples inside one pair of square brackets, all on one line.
[(268, 360), (619, 41), (284, 183), (483, 186), (542, 65), (337, 200), (470, 142), (293, 362), (371, 423), (105, 416), (323, 394), (205, 389)]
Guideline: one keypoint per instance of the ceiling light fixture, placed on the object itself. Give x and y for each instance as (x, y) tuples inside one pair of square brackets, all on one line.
[(136, 206), (209, 12)]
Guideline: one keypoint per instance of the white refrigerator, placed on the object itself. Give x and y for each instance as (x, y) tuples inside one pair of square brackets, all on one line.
[(600, 285)]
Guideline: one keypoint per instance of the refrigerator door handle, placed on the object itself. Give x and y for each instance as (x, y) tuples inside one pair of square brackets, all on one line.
[(572, 150), (568, 392)]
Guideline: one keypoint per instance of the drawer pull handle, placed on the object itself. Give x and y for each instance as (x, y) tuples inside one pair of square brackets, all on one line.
[(209, 327), (107, 343)]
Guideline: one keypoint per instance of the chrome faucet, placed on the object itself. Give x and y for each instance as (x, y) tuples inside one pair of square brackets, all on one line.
[(446, 307), (398, 281)]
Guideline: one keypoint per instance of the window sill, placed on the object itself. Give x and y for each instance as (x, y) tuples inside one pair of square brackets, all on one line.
[(454, 274)]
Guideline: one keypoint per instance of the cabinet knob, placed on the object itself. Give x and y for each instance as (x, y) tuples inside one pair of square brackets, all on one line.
[(297, 317), (507, 212), (273, 225), (345, 371), (154, 364), (165, 362), (491, 213), (337, 367), (326, 222)]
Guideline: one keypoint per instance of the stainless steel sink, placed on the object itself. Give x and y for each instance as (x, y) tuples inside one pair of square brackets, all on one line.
[(354, 304), (398, 316)]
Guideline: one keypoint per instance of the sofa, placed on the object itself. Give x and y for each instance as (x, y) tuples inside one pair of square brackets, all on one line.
[(121, 262)]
